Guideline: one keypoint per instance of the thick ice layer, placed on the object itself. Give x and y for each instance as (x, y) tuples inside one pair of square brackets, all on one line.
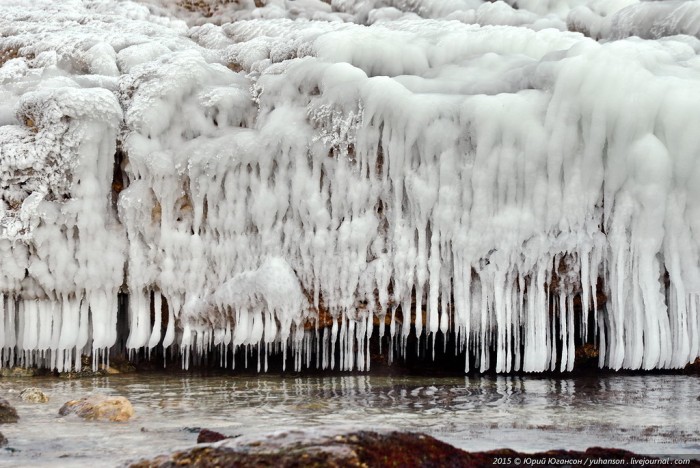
[(648, 19), (248, 183)]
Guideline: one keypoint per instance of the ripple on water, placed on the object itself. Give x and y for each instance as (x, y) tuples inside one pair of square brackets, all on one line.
[(648, 414)]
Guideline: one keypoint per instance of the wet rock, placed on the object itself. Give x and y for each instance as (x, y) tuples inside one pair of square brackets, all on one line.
[(85, 370), (586, 357), (109, 370), (7, 413), (33, 395), (78, 375), (120, 365), (15, 372), (693, 367), (302, 448), (207, 436), (100, 408), (3, 440)]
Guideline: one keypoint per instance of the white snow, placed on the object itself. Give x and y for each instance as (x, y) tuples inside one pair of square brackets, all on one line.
[(278, 161)]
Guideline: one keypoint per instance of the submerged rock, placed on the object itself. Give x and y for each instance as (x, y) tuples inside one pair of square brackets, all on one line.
[(306, 448), (207, 436), (33, 395), (7, 413), (99, 407)]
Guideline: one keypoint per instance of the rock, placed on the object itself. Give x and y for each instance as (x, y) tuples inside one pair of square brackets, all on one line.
[(3, 440), (15, 372), (307, 448), (109, 370), (7, 413), (693, 367), (120, 364), (100, 408), (586, 357), (33, 395), (207, 436), (300, 448)]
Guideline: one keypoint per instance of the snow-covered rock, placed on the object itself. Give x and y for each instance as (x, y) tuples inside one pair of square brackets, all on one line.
[(372, 157)]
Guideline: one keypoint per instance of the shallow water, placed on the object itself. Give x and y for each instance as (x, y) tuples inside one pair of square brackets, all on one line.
[(648, 414)]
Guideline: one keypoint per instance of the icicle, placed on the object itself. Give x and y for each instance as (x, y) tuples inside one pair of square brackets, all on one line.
[(334, 337), (155, 334), (3, 338)]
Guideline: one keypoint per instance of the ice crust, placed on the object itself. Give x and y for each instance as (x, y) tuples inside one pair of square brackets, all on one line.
[(253, 171)]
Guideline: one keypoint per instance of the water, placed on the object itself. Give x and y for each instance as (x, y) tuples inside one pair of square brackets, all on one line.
[(647, 414)]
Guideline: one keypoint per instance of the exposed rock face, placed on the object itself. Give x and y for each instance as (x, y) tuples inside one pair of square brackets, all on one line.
[(33, 395), (99, 407), (300, 448), (7, 413)]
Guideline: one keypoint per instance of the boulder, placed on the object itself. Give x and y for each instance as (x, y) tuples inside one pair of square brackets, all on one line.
[(33, 395), (99, 408), (7, 413), (207, 436), (364, 448), (3, 440)]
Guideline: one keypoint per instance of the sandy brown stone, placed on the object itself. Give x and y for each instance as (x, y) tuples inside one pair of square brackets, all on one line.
[(100, 408)]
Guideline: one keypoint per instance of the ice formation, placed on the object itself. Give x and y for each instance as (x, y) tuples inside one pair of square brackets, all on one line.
[(285, 175)]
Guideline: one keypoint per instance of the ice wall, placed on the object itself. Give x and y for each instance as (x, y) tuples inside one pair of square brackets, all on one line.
[(287, 180)]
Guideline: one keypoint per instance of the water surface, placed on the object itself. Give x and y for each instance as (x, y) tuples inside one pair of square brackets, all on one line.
[(653, 414)]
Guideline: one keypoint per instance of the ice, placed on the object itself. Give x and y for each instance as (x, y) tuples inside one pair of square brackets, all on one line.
[(645, 19), (283, 176)]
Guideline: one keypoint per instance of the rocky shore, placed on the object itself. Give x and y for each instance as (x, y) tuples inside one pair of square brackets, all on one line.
[(369, 449)]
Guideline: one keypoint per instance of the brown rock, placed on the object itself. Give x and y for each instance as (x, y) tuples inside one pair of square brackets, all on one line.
[(109, 370), (207, 436), (586, 356), (3, 440), (100, 408), (8, 414), (361, 449), (15, 372)]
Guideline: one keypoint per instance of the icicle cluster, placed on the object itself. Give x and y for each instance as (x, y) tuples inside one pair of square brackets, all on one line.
[(283, 184)]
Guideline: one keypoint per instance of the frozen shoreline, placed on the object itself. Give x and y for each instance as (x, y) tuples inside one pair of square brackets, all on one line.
[(404, 162)]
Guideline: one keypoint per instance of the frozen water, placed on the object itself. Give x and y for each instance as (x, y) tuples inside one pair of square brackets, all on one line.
[(252, 172)]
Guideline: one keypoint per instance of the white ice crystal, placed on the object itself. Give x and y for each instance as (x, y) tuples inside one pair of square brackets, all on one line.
[(280, 161)]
